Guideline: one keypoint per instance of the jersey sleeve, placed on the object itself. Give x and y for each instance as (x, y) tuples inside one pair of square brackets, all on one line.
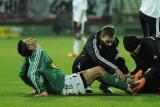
[(34, 71), (24, 71), (93, 51)]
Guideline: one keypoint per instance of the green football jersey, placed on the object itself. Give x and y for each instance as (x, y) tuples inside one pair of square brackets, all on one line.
[(39, 72)]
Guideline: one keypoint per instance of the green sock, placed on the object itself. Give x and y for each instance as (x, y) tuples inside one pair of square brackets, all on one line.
[(114, 82)]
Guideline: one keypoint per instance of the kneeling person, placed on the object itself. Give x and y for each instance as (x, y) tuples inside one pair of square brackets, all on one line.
[(146, 54), (102, 50)]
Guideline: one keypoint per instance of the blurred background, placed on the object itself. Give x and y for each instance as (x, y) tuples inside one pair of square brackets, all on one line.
[(54, 17), (50, 21)]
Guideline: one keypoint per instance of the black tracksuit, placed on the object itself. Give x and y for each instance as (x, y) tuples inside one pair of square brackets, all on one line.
[(96, 53), (148, 59)]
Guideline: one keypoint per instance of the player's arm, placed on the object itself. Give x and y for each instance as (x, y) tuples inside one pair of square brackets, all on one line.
[(94, 54), (150, 73), (120, 62), (24, 71), (93, 51), (139, 65), (34, 72)]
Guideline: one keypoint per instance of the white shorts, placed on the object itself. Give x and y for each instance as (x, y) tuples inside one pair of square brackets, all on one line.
[(73, 85)]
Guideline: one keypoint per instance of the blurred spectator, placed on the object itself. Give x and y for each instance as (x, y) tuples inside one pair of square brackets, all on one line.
[(91, 5), (79, 19), (62, 16), (38, 9), (107, 14)]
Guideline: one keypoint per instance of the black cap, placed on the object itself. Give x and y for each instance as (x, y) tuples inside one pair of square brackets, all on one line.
[(130, 43)]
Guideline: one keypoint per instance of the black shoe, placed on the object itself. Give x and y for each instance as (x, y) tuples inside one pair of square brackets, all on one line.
[(105, 90), (88, 90)]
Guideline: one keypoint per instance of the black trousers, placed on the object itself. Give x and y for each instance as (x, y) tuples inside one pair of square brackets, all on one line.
[(152, 84), (150, 25)]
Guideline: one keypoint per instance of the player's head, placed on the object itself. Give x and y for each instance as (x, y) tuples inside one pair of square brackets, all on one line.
[(26, 47), (131, 44), (107, 35)]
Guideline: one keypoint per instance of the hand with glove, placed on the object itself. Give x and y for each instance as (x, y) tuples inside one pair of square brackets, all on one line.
[(138, 85)]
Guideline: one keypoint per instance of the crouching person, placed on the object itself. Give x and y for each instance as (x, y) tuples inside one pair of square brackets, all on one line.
[(146, 54)]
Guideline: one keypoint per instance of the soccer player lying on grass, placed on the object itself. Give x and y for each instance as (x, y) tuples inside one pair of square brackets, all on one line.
[(39, 73), (146, 53)]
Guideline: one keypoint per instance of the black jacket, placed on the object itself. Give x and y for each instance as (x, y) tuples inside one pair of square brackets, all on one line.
[(96, 53)]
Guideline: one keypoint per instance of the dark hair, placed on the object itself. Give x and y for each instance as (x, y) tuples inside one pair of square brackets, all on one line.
[(23, 49), (107, 30), (130, 43)]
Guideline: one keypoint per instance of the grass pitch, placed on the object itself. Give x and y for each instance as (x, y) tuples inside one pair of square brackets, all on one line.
[(13, 90)]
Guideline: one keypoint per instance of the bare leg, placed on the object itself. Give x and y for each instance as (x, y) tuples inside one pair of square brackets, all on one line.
[(91, 74), (77, 43)]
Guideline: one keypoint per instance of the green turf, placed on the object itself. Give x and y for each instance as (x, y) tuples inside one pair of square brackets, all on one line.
[(12, 89)]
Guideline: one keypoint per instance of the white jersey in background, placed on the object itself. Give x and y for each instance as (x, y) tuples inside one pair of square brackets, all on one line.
[(151, 8), (78, 7)]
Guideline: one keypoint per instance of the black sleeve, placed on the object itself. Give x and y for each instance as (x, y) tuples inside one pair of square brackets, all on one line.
[(135, 70), (120, 62), (150, 73), (92, 50), (156, 51), (139, 65)]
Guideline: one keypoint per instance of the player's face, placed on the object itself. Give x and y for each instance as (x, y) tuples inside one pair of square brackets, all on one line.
[(31, 43), (108, 40)]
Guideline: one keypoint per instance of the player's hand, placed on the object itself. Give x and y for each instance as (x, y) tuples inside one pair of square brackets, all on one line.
[(132, 80), (43, 94), (120, 75), (138, 85), (34, 92)]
